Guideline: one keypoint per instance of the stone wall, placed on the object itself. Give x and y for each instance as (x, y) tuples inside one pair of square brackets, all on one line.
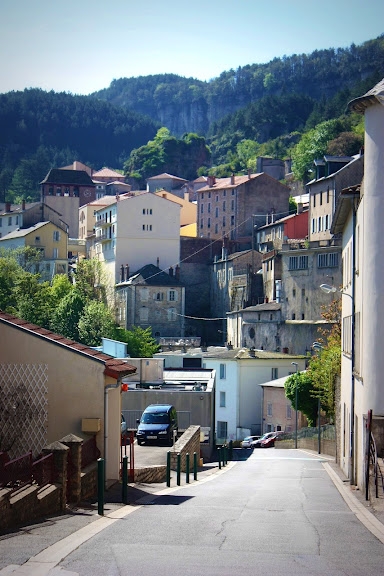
[(327, 446), (188, 443), (27, 504)]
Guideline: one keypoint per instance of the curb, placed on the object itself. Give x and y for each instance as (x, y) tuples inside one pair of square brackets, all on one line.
[(365, 517)]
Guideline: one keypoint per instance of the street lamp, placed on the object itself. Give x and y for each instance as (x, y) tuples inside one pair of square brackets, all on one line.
[(318, 347), (295, 364), (331, 289)]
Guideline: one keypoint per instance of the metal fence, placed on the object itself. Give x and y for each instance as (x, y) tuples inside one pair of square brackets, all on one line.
[(21, 471), (327, 432)]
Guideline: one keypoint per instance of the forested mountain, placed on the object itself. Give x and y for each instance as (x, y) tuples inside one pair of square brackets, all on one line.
[(259, 109), (190, 105), (41, 130)]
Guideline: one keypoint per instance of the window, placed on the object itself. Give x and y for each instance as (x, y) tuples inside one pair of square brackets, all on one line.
[(232, 204), (222, 399), (217, 198), (55, 253), (224, 192), (233, 192), (209, 207), (222, 371), (224, 206), (58, 191), (202, 209), (1, 222), (314, 200), (209, 223), (232, 220), (9, 220), (321, 198), (216, 212), (144, 294), (298, 262), (275, 373), (319, 224), (328, 260), (172, 296), (17, 220), (269, 409), (50, 191), (347, 335), (66, 191), (37, 239), (294, 292), (289, 412), (222, 430), (171, 313), (143, 226), (159, 296), (314, 226), (143, 313), (293, 316), (328, 195), (224, 221), (56, 235), (143, 210), (216, 228)]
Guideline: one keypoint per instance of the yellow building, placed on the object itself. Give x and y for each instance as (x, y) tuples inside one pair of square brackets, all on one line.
[(50, 239)]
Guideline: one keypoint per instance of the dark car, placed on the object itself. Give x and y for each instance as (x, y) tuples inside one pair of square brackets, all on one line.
[(270, 442), (158, 423), (257, 443)]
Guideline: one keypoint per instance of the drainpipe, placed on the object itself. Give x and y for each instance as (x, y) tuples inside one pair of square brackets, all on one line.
[(106, 388)]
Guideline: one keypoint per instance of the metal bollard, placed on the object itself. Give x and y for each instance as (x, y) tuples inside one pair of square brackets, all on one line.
[(187, 468), (125, 480), (178, 469), (230, 450), (219, 456), (194, 466), (168, 469), (100, 486), (226, 454)]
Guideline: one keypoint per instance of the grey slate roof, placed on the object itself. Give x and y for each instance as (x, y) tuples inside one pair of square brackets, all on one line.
[(68, 177), (152, 276)]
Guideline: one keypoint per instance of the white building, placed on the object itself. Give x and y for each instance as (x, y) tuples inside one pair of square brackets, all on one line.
[(239, 376), (359, 217), (133, 231)]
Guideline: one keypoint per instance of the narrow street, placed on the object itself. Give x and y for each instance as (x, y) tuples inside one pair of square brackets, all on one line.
[(276, 513)]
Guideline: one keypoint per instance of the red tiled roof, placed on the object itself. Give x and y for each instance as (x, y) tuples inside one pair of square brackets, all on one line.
[(113, 366)]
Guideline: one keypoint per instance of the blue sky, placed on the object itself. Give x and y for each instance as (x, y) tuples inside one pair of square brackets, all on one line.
[(80, 46)]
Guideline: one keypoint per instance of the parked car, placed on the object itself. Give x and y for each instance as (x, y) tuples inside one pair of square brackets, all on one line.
[(257, 443), (247, 442), (270, 442), (158, 422)]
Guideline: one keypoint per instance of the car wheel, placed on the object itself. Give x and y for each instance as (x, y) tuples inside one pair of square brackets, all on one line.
[(139, 442)]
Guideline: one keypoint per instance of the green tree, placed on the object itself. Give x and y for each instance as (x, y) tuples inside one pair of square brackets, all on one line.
[(95, 323), (10, 271), (312, 145), (91, 280), (306, 398), (66, 316), (34, 299), (140, 343)]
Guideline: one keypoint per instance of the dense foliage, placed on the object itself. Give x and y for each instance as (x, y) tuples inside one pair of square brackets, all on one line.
[(78, 311), (165, 153), (41, 130)]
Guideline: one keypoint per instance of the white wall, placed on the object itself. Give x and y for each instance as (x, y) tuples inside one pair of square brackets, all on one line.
[(228, 385)]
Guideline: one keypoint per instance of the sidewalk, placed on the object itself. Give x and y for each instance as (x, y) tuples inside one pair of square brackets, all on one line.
[(26, 542)]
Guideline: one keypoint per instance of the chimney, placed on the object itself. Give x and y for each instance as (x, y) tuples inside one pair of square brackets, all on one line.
[(249, 173), (299, 207), (117, 197), (232, 179), (121, 273), (177, 272), (210, 181), (23, 204), (171, 271), (158, 262), (186, 196), (126, 272), (7, 206)]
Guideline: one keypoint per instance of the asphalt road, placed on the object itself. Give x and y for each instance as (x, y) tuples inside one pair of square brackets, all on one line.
[(278, 513)]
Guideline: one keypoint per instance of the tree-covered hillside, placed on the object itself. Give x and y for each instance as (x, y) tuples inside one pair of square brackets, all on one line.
[(41, 130), (189, 105)]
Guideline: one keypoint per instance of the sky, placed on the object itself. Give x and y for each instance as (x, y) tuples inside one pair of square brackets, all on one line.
[(80, 46)]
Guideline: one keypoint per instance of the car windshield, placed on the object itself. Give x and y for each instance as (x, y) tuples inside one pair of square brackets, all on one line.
[(154, 418)]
